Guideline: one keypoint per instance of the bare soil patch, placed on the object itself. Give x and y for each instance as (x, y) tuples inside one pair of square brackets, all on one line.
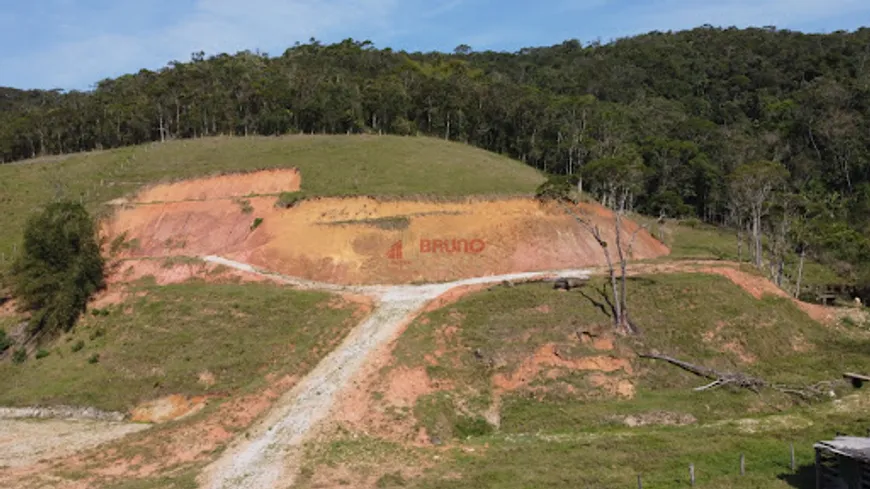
[(318, 240)]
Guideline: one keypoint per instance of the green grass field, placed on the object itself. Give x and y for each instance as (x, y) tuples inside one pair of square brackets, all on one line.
[(575, 438), (158, 344), (384, 166)]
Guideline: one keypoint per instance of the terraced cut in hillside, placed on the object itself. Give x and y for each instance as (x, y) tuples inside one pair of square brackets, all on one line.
[(335, 165), (360, 240)]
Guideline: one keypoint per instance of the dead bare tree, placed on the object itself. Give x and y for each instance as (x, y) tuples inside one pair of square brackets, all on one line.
[(616, 180), (619, 305), (743, 381)]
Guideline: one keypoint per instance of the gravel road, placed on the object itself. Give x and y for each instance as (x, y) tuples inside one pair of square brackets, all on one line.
[(264, 459)]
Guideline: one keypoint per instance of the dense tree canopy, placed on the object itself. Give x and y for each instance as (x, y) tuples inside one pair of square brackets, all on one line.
[(692, 106), (60, 267)]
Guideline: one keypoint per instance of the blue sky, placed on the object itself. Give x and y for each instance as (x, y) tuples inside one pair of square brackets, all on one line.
[(71, 44)]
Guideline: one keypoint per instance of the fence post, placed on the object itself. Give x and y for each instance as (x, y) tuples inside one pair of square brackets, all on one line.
[(692, 474), (742, 464), (639, 482), (793, 466)]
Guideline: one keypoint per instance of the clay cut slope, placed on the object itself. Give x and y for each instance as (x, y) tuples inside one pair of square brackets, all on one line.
[(366, 241)]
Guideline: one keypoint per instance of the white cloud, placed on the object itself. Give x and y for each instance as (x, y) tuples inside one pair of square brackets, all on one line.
[(122, 36), (214, 26)]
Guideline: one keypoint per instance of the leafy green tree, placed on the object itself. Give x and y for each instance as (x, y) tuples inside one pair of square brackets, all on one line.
[(59, 268)]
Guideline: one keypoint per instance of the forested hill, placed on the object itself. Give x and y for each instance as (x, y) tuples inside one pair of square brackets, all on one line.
[(691, 106)]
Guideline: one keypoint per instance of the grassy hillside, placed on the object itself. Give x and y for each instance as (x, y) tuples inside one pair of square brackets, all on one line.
[(566, 427), (694, 240), (330, 166), (697, 317), (160, 340)]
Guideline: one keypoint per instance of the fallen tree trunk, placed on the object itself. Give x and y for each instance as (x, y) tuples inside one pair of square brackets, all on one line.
[(741, 380)]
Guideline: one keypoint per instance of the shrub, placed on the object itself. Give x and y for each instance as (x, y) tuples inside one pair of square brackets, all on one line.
[(78, 346), (97, 333), (557, 187), (289, 199), (692, 222), (256, 223), (465, 426), (59, 268), (19, 355), (403, 126), (42, 354), (5, 341), (118, 243), (246, 206), (94, 358)]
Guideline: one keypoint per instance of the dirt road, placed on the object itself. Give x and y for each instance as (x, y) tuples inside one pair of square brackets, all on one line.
[(266, 457)]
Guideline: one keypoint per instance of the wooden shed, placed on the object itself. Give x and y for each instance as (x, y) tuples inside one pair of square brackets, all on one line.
[(843, 463)]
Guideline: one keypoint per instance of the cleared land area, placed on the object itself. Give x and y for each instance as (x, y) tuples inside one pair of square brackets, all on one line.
[(248, 381), (384, 166)]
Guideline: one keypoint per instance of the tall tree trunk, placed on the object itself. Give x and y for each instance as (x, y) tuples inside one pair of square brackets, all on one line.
[(622, 319), (756, 237), (800, 274), (447, 132), (617, 302), (162, 129), (780, 270)]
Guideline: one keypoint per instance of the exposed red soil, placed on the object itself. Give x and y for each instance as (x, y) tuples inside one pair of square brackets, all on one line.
[(547, 357), (8, 308), (357, 408), (167, 409), (121, 273), (404, 386), (167, 272), (760, 286), (224, 186), (354, 240), (453, 295), (613, 386)]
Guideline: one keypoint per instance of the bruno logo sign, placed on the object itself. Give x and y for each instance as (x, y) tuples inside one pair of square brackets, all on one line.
[(428, 246)]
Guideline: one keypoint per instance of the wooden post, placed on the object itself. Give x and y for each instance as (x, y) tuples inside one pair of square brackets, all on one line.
[(639, 482), (692, 474), (742, 464), (793, 466)]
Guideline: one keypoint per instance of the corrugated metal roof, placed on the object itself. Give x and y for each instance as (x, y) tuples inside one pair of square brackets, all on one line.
[(849, 446)]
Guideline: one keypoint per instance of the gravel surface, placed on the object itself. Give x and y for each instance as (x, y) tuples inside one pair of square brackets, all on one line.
[(26, 442)]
